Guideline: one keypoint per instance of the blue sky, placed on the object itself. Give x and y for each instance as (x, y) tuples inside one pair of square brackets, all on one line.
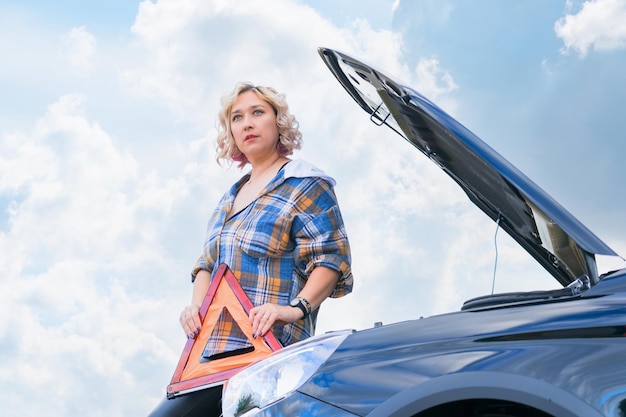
[(107, 172)]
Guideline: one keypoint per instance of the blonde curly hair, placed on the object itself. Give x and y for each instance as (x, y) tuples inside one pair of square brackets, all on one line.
[(290, 137)]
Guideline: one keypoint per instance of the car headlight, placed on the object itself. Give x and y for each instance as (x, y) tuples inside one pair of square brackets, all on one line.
[(281, 373)]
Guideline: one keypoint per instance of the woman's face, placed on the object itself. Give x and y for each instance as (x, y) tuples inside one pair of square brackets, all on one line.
[(253, 125)]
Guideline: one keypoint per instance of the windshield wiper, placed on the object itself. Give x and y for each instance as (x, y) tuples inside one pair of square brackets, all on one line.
[(578, 286)]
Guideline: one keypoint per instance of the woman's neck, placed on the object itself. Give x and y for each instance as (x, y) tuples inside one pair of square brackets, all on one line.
[(261, 169)]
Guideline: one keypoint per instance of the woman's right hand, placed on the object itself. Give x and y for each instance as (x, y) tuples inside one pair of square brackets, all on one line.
[(190, 321)]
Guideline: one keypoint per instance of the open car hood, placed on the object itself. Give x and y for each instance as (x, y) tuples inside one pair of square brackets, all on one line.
[(555, 238)]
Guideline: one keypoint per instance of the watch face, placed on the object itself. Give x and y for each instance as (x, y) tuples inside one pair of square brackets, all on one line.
[(294, 302)]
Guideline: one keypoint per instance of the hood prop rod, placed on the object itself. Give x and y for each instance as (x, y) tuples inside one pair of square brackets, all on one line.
[(495, 243)]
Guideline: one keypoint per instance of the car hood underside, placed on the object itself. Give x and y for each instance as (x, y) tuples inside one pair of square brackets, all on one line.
[(554, 237)]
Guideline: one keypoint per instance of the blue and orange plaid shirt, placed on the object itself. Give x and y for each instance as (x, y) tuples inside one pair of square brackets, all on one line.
[(272, 246)]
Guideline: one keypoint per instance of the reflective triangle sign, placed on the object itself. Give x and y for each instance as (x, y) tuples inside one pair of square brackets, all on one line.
[(198, 367)]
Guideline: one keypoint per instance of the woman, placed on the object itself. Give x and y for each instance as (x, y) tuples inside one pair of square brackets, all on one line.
[(278, 228)]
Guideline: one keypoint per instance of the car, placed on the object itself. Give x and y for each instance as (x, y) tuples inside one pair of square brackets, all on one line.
[(540, 353)]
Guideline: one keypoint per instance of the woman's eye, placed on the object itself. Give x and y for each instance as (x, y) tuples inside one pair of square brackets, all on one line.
[(236, 117), (257, 112)]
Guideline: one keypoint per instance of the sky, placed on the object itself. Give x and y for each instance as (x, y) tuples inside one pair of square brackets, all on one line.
[(108, 176)]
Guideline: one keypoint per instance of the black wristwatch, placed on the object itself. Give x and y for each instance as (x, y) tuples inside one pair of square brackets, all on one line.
[(303, 304)]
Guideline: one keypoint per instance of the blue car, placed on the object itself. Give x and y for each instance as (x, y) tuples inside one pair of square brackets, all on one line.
[(542, 353), (559, 353)]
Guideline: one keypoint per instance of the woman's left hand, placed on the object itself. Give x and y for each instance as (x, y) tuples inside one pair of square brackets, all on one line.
[(267, 315)]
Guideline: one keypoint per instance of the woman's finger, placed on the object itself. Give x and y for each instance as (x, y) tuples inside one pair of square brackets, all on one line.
[(190, 321)]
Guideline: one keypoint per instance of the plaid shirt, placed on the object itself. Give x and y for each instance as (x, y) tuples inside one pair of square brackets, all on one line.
[(272, 246)]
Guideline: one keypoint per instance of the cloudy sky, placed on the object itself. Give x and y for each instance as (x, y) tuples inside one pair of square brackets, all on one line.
[(107, 171)]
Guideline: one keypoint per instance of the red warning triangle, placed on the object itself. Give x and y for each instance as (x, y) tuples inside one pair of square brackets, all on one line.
[(198, 369)]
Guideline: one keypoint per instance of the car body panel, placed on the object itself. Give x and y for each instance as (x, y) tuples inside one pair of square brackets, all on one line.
[(555, 238), (470, 385), (575, 346)]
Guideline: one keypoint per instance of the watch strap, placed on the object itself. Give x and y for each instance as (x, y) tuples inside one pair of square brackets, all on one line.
[(303, 304)]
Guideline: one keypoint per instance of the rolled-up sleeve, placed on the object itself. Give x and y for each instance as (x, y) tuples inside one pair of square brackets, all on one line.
[(321, 239), (200, 265)]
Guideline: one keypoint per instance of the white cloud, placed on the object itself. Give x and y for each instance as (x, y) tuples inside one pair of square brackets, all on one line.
[(75, 347), (84, 229), (196, 51), (193, 52), (69, 169), (78, 46), (599, 25), (435, 83)]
